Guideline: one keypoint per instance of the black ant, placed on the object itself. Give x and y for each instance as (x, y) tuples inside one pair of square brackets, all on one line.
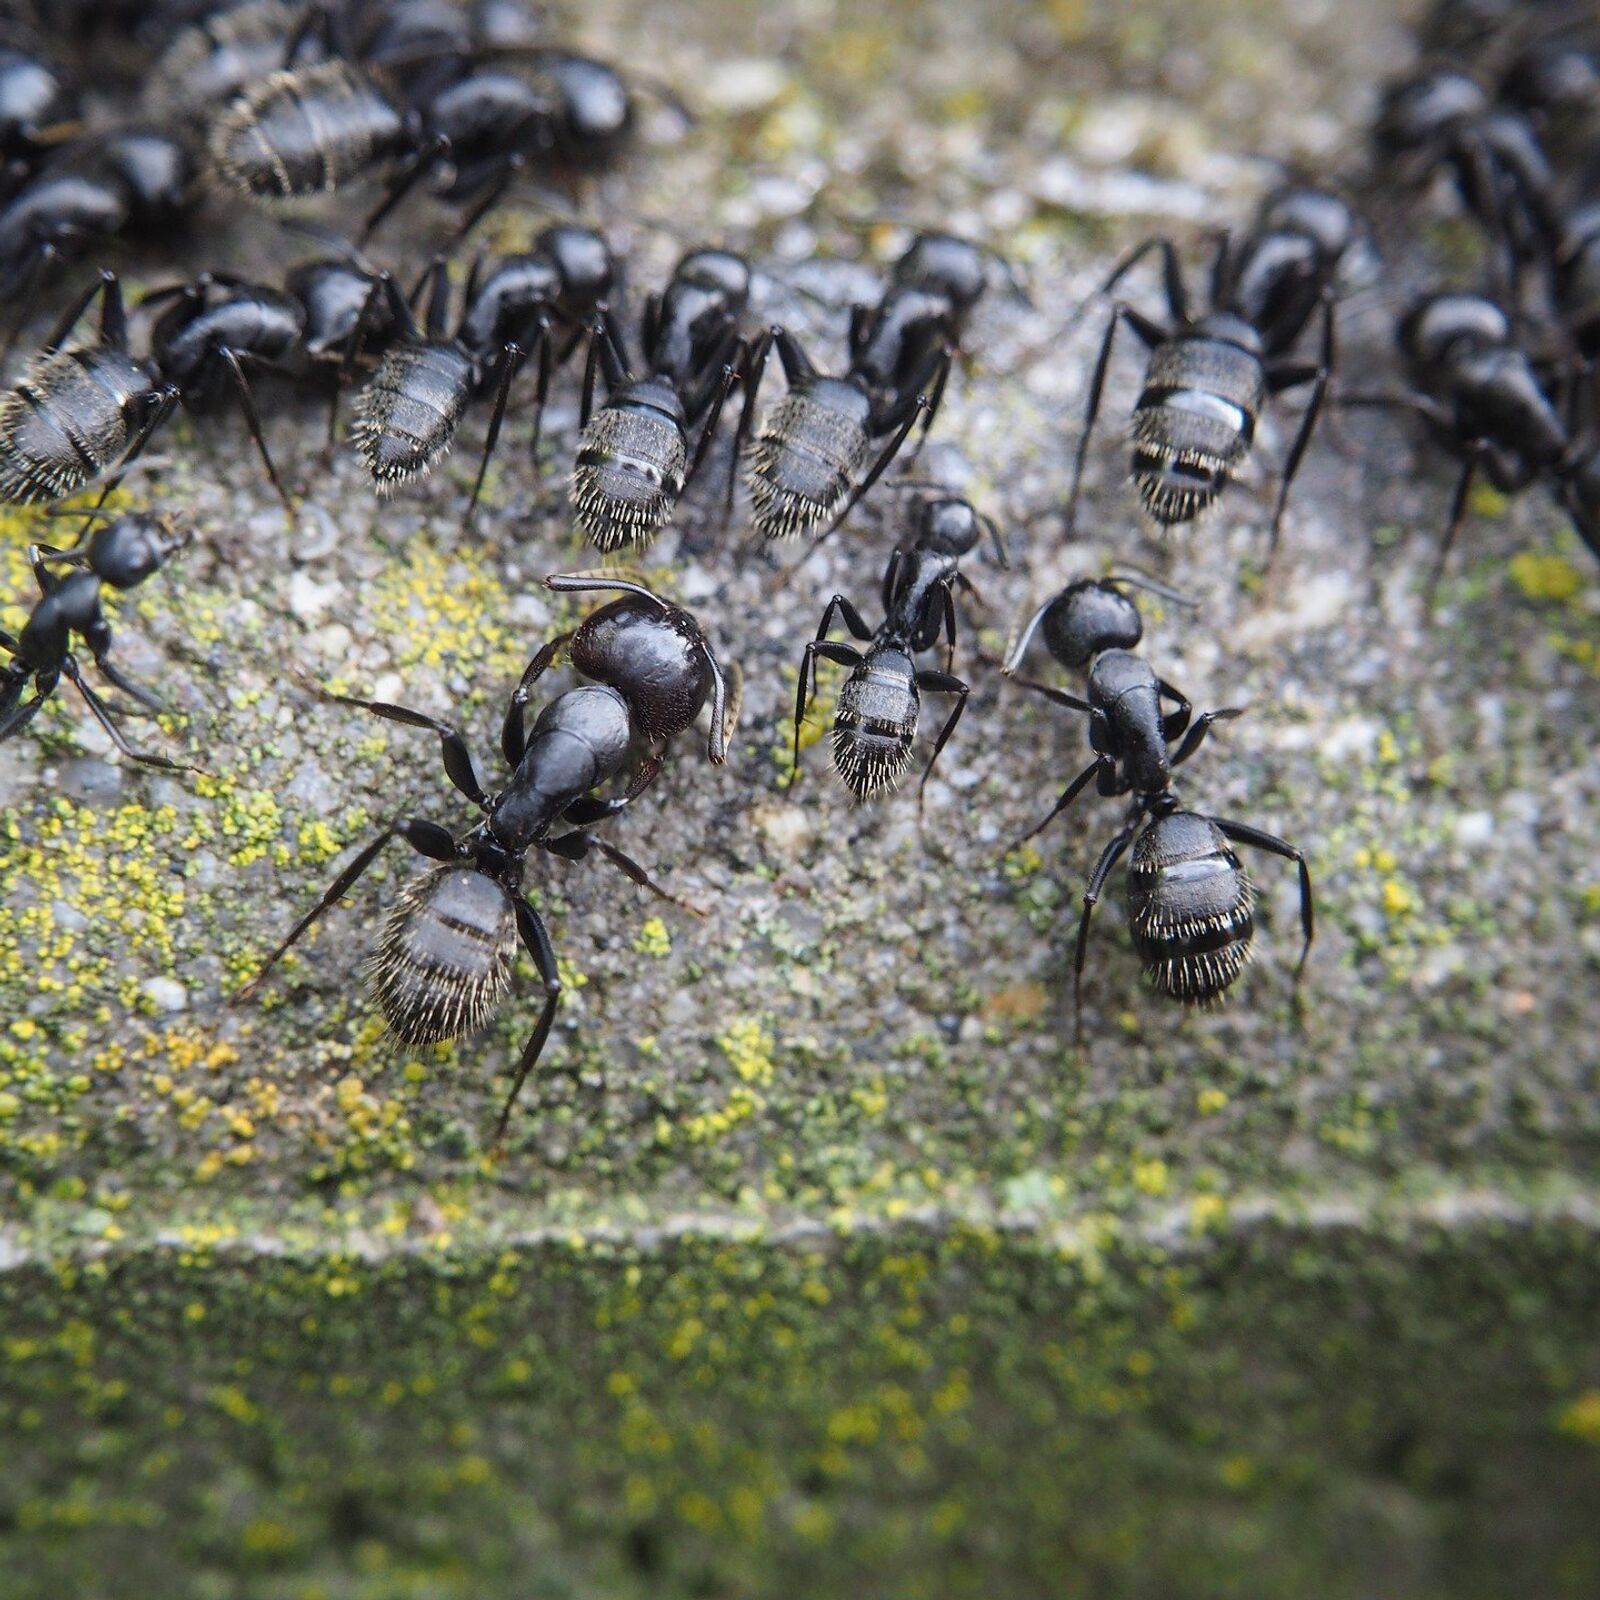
[(875, 716), (809, 464), (1483, 399), (1208, 377), (407, 414), (1190, 903), (316, 129), (93, 190), (443, 960), (122, 552), (634, 457), (1441, 117)]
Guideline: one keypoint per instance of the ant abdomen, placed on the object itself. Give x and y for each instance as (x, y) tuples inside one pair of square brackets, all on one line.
[(807, 458), (630, 469), (875, 723), (1189, 908), (1194, 424), (442, 965), (406, 417)]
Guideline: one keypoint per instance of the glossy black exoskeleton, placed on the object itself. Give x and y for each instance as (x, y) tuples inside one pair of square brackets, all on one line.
[(89, 192), (1088, 616), (316, 129), (1208, 377), (79, 409), (1441, 118), (122, 553), (443, 960), (1483, 398), (224, 52), (214, 329), (875, 715), (634, 454), (652, 653), (1190, 904), (407, 413), (809, 464)]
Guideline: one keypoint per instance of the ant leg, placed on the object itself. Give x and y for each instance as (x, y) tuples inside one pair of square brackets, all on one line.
[(457, 758), (885, 456), (423, 163), (252, 420), (16, 719), (853, 620), (941, 683), (730, 376), (577, 845), (843, 655), (1308, 422), (509, 168), (1056, 696), (1091, 896), (536, 941), (1458, 515), (1100, 768), (102, 715), (133, 690), (1241, 833), (940, 373), (510, 360), (589, 809), (949, 604), (1171, 274), (106, 285), (754, 371), (1175, 721), (1150, 335), (1196, 735), (426, 838), (541, 389), (513, 742)]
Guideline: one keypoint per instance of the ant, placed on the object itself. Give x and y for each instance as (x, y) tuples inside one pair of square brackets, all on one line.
[(89, 192), (809, 464), (122, 552), (1190, 902), (633, 458), (1207, 377), (407, 414), (1442, 117), (316, 129), (875, 716), (1483, 399), (442, 965)]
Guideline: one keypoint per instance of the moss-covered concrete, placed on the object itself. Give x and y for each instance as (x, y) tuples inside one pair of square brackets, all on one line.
[(818, 1249)]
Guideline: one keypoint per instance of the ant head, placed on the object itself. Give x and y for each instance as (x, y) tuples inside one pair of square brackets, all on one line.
[(945, 265), (126, 550), (718, 270), (596, 109), (1087, 617), (946, 524), (157, 168), (1313, 213), (1439, 321), (1424, 108), (583, 259)]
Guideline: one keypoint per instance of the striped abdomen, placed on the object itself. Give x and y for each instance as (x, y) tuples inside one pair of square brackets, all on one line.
[(406, 417), (875, 723), (628, 474), (804, 464), (443, 961), (305, 132), (71, 417), (1194, 423), (1189, 907)]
